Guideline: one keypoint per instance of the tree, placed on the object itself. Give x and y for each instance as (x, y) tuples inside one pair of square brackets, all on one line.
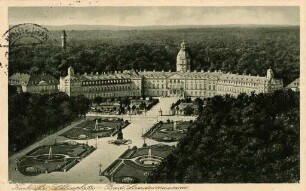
[(32, 116), (142, 106), (188, 110), (251, 138)]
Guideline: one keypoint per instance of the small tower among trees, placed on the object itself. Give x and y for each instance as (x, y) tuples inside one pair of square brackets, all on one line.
[(64, 40)]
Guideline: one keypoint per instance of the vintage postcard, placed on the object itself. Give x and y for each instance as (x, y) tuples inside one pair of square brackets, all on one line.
[(136, 95)]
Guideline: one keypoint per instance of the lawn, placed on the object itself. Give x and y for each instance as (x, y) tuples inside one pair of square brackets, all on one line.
[(71, 150), (64, 156), (165, 132), (86, 130), (127, 166), (127, 170), (157, 151)]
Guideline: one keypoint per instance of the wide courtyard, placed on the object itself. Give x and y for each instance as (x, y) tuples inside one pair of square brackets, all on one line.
[(87, 169)]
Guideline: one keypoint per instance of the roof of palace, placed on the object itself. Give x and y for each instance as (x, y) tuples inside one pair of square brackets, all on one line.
[(130, 74), (104, 76), (33, 79), (294, 84), (200, 75), (183, 55)]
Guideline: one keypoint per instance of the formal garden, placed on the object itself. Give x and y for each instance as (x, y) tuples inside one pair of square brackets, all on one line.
[(136, 164), (124, 105), (96, 128), (49, 158), (169, 131)]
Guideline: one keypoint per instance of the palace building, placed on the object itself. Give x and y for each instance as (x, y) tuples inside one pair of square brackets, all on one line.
[(181, 83), (34, 83), (117, 84)]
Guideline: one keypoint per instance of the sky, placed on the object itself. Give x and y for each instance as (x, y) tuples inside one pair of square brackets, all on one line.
[(143, 16)]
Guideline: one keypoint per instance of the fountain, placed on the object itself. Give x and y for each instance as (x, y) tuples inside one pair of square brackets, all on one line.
[(96, 125), (174, 126), (50, 154), (149, 159), (150, 154)]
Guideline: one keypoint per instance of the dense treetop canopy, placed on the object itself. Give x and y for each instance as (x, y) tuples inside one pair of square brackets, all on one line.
[(32, 116), (245, 139), (235, 49)]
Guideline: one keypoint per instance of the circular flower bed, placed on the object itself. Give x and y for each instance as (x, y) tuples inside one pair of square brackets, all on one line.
[(29, 171), (128, 179), (164, 130), (120, 142), (82, 136), (147, 161)]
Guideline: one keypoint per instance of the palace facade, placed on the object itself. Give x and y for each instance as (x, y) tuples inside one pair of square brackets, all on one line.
[(181, 83), (34, 83), (117, 84)]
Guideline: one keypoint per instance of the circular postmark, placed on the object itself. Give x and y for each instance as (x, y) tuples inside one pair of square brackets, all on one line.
[(33, 33)]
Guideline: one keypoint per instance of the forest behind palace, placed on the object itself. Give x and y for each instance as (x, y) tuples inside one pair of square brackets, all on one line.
[(232, 49)]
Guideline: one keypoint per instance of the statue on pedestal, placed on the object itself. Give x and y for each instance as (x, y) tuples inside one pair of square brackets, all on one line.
[(120, 134)]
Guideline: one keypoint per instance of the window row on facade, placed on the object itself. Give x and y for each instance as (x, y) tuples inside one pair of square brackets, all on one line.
[(112, 94), (107, 88), (99, 82)]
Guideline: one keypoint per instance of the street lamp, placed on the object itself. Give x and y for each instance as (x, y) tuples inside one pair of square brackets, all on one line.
[(96, 141), (100, 171), (160, 112)]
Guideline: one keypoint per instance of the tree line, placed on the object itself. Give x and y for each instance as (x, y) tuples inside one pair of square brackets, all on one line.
[(248, 139), (250, 50)]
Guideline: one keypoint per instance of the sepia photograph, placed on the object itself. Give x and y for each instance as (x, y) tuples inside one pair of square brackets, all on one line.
[(153, 94)]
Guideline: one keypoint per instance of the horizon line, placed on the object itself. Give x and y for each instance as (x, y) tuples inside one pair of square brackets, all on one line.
[(163, 25)]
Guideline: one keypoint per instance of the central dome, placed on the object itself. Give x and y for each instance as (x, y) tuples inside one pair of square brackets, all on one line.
[(183, 55), (183, 59)]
